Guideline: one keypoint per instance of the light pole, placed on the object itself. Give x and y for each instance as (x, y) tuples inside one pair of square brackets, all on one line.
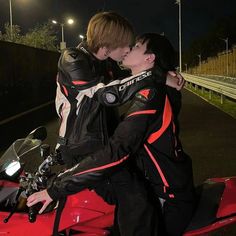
[(11, 31), (227, 54), (200, 62), (81, 36), (63, 43), (180, 36)]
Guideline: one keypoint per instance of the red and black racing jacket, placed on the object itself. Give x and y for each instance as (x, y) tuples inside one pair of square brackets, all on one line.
[(84, 125), (146, 134)]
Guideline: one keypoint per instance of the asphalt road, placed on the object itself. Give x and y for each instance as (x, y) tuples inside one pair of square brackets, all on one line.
[(209, 137)]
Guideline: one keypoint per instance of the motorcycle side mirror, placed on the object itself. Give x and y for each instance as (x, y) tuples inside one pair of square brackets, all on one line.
[(39, 133)]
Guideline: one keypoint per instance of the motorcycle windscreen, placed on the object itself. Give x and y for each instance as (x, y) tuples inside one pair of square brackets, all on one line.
[(18, 152)]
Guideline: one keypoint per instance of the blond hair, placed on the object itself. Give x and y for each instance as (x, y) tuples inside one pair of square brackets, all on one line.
[(108, 29)]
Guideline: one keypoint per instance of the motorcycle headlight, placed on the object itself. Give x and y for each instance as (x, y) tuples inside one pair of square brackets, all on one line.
[(12, 168)]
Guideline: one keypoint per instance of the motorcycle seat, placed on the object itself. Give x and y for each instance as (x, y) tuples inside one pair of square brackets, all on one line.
[(208, 204)]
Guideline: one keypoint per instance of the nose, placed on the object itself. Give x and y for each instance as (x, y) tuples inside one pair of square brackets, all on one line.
[(126, 51)]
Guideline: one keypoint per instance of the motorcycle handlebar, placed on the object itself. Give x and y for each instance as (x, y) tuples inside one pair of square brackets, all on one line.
[(33, 212), (52, 159)]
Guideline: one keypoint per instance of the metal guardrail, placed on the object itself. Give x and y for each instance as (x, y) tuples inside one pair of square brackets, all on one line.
[(223, 88)]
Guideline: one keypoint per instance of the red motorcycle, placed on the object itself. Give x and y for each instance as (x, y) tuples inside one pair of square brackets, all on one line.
[(85, 213)]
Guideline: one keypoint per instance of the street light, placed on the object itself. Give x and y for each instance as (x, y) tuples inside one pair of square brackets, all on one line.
[(180, 36), (63, 43), (81, 36), (227, 54), (11, 31), (200, 62)]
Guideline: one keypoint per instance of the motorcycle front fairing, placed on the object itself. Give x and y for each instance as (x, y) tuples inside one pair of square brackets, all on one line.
[(11, 166), (85, 211)]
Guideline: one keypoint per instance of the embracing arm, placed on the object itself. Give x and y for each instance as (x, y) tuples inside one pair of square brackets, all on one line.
[(127, 139), (118, 92)]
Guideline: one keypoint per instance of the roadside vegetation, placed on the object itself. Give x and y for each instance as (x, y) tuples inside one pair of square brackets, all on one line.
[(228, 106), (41, 36)]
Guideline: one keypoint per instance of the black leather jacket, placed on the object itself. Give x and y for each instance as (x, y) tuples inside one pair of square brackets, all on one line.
[(85, 126), (83, 121)]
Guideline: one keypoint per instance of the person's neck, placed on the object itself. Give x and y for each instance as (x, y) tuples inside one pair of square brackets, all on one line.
[(99, 57), (137, 70), (100, 54)]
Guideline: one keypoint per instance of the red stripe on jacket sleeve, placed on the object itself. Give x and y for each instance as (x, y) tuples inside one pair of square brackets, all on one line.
[(79, 82), (142, 112), (65, 90), (105, 166)]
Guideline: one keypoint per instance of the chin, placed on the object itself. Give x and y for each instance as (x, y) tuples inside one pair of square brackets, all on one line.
[(124, 63), (116, 59), (125, 66)]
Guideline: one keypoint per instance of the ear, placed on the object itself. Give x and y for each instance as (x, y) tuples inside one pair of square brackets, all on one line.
[(103, 53), (151, 58), (106, 51)]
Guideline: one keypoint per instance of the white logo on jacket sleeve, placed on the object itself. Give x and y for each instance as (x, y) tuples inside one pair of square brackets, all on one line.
[(134, 80)]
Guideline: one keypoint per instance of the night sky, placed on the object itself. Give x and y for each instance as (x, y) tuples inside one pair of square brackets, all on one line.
[(198, 16)]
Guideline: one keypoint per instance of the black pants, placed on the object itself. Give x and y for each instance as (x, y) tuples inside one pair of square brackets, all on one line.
[(175, 216), (134, 214)]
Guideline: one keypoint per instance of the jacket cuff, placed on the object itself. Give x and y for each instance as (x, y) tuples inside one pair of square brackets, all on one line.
[(161, 79), (53, 192), (160, 75)]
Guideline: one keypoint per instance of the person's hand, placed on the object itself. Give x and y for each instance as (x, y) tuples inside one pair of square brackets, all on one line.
[(175, 80), (41, 196)]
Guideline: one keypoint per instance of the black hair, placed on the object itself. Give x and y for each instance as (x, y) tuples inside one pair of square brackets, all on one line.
[(166, 57)]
